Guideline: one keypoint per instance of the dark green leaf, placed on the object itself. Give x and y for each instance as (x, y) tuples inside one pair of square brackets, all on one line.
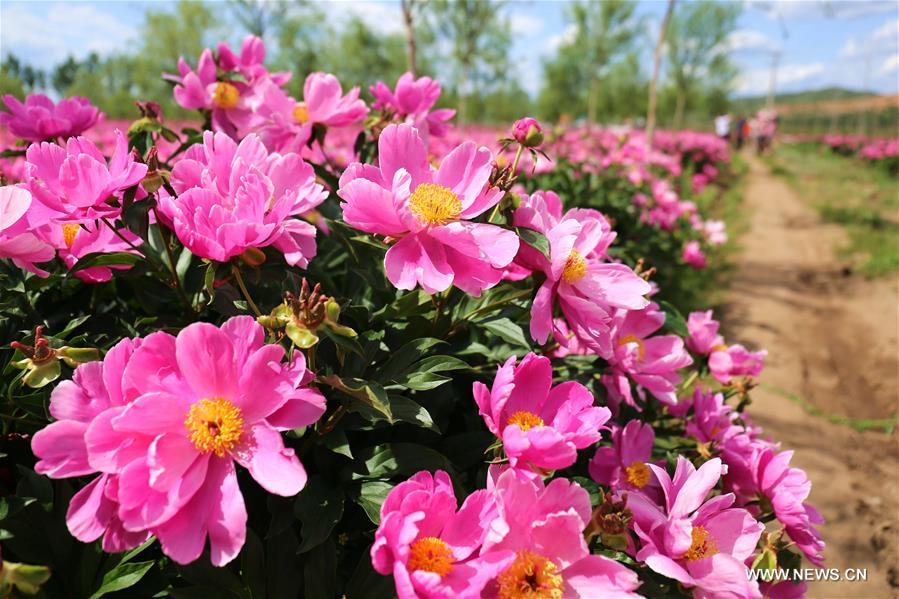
[(122, 577)]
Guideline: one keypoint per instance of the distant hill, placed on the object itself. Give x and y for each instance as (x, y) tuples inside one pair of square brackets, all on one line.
[(753, 103)]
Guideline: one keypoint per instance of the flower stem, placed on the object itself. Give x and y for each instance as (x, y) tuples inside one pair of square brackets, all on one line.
[(235, 270)]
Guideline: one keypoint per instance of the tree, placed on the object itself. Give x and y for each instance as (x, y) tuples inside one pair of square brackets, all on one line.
[(697, 49), (604, 33), (479, 36), (657, 63)]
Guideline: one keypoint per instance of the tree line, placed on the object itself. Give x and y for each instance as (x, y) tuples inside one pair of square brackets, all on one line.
[(597, 72)]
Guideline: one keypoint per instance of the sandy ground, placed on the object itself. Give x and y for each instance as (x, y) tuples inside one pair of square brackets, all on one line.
[(832, 341)]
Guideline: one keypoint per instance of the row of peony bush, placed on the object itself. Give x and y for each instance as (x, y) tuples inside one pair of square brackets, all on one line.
[(375, 317), (881, 152)]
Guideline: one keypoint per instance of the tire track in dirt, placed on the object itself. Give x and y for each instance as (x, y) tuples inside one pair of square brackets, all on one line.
[(832, 341)]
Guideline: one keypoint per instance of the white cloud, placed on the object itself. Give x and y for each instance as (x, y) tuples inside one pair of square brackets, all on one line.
[(748, 39), (524, 24), (789, 10), (756, 81), (554, 41), (44, 34), (385, 17), (890, 66), (882, 40)]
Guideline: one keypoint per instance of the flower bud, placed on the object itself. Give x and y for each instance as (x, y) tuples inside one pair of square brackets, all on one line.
[(527, 132)]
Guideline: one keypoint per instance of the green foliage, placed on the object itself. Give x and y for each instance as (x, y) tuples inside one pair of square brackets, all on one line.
[(696, 42)]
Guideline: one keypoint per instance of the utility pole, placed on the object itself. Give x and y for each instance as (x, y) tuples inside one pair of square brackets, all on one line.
[(657, 63), (772, 79)]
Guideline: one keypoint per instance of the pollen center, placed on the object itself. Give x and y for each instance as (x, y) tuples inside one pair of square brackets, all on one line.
[(69, 232), (638, 474), (525, 420), (641, 349), (300, 113), (575, 268), (703, 545), (431, 555), (225, 95), (531, 576), (215, 425), (435, 204)]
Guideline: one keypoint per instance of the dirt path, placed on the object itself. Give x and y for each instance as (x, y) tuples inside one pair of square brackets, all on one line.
[(832, 341)]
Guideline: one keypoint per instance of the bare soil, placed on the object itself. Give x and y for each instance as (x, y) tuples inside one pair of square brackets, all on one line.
[(831, 338)]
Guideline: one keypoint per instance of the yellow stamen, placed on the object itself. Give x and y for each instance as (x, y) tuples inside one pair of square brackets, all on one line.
[(435, 204), (641, 349), (703, 545), (431, 555), (575, 268), (638, 474), (525, 420), (531, 576), (225, 95), (721, 347), (69, 232), (300, 113), (215, 425)]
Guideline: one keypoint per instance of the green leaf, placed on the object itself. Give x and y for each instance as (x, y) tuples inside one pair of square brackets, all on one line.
[(106, 259), (423, 375), (506, 330), (318, 507), (337, 442), (402, 359), (392, 459), (674, 320), (209, 281), (122, 577), (371, 495), (371, 394), (536, 240)]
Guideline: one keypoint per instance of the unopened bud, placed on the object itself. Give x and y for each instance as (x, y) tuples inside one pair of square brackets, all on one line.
[(527, 132)]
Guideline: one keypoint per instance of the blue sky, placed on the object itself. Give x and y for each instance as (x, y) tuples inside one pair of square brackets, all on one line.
[(849, 43)]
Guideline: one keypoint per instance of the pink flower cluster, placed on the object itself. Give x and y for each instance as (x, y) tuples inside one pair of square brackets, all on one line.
[(725, 362), (162, 421), (39, 119), (518, 538)]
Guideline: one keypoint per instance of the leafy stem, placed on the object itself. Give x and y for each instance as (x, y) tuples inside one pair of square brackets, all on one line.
[(235, 270)]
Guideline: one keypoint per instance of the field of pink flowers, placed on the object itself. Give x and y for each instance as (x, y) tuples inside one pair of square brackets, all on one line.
[(335, 346)]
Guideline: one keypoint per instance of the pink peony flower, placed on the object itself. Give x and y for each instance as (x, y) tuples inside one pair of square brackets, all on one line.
[(74, 240), (75, 182), (94, 392), (701, 543), (324, 103), (39, 119), (182, 410), (693, 255), (428, 211), (431, 548), (586, 286), (786, 490), (651, 362), (17, 240), (412, 102), (727, 362), (543, 527), (622, 466), (540, 425), (234, 197), (229, 88), (703, 334)]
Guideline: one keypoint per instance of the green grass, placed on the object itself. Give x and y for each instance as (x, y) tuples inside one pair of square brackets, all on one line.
[(862, 198), (886, 425)]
